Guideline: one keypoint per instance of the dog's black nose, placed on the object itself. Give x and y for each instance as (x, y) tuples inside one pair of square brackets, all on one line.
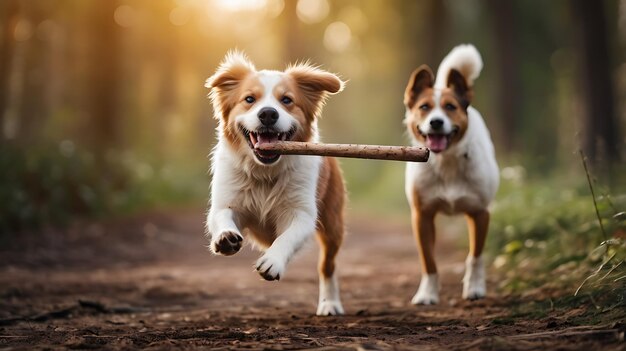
[(268, 116), (436, 123)]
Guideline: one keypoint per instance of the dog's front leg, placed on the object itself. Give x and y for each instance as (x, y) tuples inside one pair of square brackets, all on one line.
[(271, 266), (225, 236), (474, 285), (424, 228)]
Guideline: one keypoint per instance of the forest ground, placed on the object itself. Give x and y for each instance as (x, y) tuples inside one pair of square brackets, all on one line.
[(148, 282)]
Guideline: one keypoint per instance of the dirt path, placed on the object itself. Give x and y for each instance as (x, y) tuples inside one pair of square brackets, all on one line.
[(148, 282)]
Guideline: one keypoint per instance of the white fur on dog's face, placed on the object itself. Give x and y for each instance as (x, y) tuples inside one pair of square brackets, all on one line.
[(437, 113), (241, 94), (266, 98)]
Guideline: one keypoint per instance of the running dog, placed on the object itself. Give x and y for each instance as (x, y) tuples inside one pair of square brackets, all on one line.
[(461, 175), (277, 202)]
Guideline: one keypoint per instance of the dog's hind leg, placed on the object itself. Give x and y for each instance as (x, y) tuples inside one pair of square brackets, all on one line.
[(330, 236), (474, 286), (329, 299)]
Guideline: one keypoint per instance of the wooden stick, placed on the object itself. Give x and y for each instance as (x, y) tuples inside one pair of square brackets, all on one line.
[(377, 152)]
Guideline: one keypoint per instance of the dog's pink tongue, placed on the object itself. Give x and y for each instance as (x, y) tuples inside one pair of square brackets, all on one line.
[(267, 138), (436, 142)]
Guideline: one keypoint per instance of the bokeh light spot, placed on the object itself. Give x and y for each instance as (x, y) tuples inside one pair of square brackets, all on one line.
[(337, 37), (23, 30), (48, 30), (124, 16), (179, 16), (354, 17), (312, 11), (241, 5), (275, 7), (67, 148)]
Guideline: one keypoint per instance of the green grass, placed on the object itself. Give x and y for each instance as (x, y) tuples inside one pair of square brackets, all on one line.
[(545, 236)]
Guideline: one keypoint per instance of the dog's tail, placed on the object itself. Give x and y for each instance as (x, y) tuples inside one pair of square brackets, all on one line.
[(465, 59)]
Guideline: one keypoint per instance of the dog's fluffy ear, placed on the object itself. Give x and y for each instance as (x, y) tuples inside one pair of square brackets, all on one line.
[(422, 78), (457, 82), (233, 69), (314, 85)]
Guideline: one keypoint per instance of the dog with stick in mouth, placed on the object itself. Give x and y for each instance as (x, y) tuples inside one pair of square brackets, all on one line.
[(278, 202)]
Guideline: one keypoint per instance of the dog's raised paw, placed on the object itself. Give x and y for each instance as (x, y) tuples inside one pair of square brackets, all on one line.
[(227, 243), (330, 308), (270, 268)]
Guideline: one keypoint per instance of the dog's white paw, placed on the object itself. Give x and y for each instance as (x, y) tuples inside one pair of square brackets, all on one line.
[(270, 267), (329, 301), (330, 308), (474, 286), (226, 243), (428, 292)]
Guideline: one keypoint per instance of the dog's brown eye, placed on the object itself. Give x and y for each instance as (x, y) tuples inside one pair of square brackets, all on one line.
[(450, 107), (425, 107), (250, 99), (286, 100)]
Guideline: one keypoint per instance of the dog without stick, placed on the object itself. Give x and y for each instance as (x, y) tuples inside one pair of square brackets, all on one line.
[(377, 152)]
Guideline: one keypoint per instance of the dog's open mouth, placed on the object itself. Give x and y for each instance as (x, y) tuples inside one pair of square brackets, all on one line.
[(265, 136), (439, 142)]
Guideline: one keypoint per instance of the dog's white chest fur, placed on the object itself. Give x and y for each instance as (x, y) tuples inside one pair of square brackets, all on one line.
[(264, 198), (461, 179)]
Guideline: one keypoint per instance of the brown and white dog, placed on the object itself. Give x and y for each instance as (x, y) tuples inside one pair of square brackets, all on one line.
[(461, 175), (278, 202)]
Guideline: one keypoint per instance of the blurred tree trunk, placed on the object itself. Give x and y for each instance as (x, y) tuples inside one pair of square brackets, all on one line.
[(10, 14), (434, 33), (425, 30), (32, 107), (293, 36), (508, 80), (167, 107), (104, 68), (600, 129)]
